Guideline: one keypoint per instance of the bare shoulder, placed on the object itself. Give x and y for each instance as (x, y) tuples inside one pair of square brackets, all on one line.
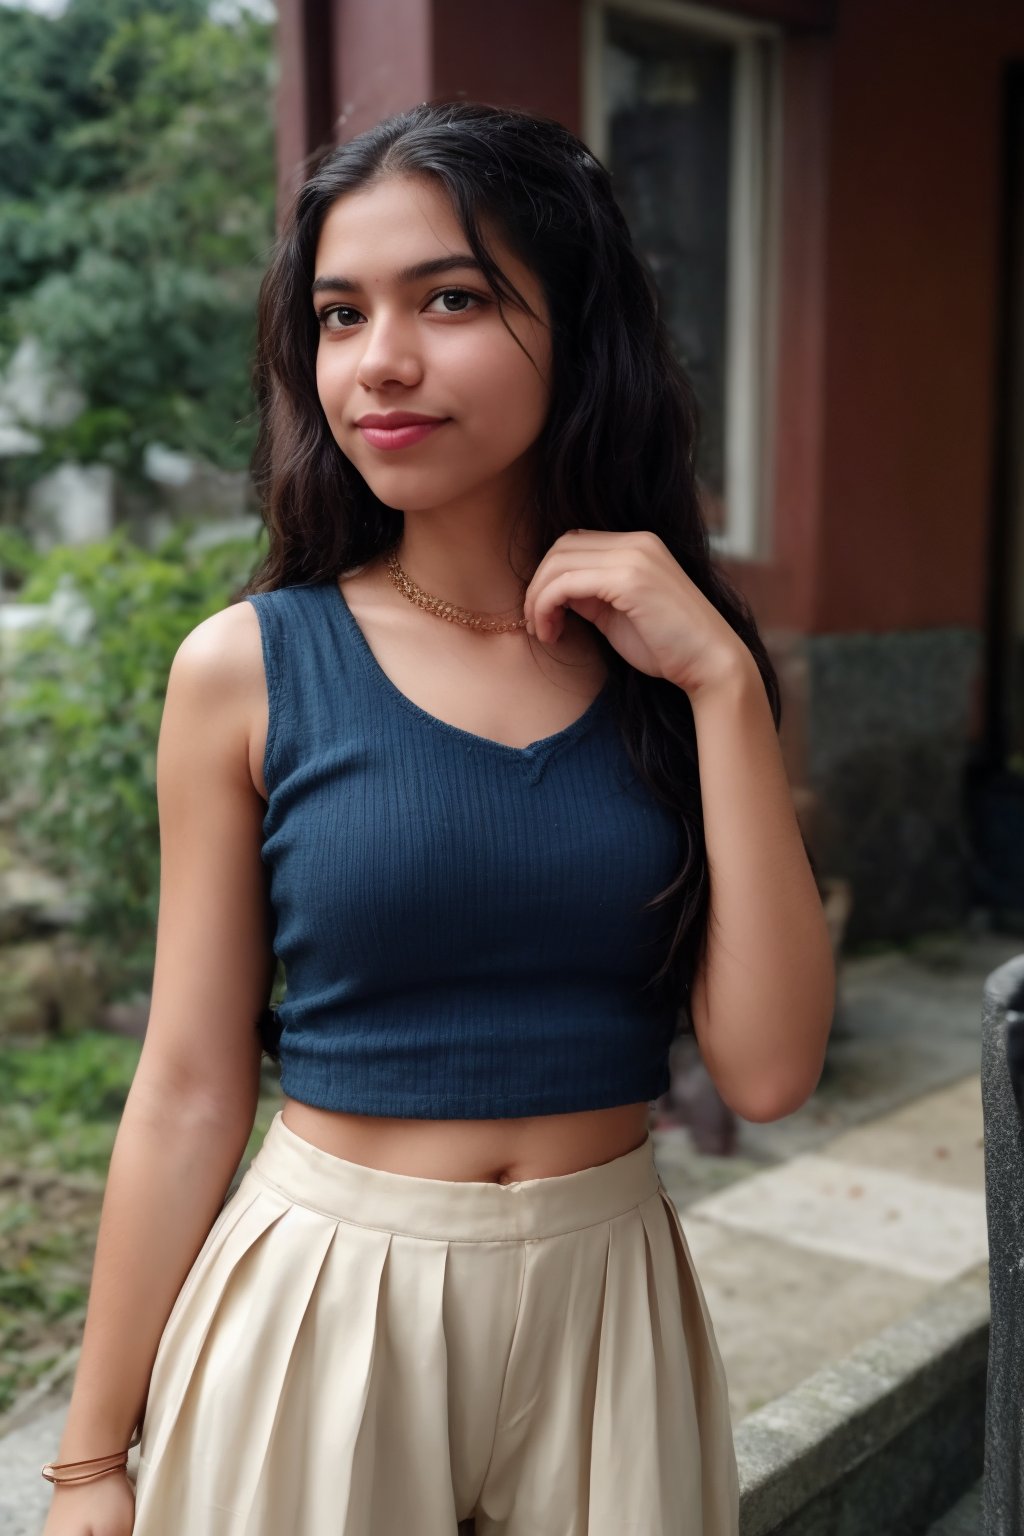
[(224, 649), (219, 666)]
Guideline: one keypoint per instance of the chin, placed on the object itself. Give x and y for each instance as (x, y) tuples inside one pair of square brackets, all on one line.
[(412, 498)]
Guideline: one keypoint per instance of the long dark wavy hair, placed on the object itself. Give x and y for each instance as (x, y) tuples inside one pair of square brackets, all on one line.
[(616, 451)]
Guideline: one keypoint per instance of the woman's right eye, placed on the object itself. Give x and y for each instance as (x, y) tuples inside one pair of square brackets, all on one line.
[(326, 315)]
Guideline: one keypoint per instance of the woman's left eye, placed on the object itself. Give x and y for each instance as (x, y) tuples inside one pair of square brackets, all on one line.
[(456, 293)]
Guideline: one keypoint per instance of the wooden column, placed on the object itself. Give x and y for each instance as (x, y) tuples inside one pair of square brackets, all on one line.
[(305, 108)]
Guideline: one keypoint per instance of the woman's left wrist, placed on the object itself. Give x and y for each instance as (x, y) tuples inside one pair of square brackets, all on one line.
[(731, 672)]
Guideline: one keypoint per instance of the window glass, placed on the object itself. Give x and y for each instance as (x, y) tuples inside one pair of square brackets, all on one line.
[(668, 100)]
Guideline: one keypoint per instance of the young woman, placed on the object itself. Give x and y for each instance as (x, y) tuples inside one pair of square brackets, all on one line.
[(488, 759)]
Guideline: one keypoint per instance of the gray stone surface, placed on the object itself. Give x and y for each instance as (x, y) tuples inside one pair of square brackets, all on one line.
[(1003, 1489), (964, 1519), (73, 504), (880, 1442), (887, 727), (25, 1495), (35, 391)]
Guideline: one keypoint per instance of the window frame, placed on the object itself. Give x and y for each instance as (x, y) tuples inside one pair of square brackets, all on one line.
[(752, 277)]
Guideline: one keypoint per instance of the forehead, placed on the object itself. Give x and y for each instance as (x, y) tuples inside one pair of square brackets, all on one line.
[(373, 232), (396, 214)]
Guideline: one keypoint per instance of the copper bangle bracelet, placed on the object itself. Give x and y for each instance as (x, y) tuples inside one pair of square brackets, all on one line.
[(115, 1460)]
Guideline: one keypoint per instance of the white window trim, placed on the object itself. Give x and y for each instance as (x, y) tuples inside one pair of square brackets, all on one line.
[(753, 208)]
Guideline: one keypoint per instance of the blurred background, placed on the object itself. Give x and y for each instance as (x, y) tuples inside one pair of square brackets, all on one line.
[(830, 194)]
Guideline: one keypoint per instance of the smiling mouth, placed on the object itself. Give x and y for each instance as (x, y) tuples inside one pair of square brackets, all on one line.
[(403, 436)]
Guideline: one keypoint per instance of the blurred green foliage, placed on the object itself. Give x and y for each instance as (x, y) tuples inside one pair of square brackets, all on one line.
[(61, 1103), (61, 1100), (83, 699), (17, 555), (136, 217)]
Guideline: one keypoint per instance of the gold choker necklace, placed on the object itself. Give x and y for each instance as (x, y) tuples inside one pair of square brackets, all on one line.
[(499, 623)]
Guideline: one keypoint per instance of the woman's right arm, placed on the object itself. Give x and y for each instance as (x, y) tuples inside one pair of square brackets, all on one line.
[(192, 1102)]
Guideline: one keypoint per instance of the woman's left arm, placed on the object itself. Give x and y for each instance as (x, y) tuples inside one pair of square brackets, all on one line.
[(762, 1002)]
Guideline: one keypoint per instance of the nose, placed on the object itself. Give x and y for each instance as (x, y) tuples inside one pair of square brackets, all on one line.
[(389, 355)]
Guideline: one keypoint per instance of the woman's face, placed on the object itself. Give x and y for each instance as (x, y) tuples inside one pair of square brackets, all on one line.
[(392, 340)]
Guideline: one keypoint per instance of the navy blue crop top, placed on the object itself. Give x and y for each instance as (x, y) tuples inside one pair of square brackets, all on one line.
[(459, 921)]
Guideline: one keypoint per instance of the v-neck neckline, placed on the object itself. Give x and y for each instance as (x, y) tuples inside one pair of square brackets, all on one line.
[(533, 752)]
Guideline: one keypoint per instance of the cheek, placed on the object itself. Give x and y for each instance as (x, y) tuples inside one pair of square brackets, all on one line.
[(508, 392), (332, 380)]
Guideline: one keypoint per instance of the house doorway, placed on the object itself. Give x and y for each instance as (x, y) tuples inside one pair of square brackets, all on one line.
[(996, 786)]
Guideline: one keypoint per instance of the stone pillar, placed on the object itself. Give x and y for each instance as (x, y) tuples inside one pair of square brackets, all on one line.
[(1002, 1026)]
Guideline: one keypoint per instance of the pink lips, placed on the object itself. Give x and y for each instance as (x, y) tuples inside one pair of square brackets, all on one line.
[(402, 436)]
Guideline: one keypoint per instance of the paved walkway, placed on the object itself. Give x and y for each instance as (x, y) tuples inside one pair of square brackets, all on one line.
[(826, 1226), (843, 1217)]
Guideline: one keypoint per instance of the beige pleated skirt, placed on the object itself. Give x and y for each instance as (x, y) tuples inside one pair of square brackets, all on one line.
[(362, 1353)]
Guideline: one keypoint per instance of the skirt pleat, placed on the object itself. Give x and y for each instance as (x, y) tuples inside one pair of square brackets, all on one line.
[(239, 1223), (601, 1385), (542, 1434), (355, 1353), (361, 1405), (323, 1396), (705, 1371)]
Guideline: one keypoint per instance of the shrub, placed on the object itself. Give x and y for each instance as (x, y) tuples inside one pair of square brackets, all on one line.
[(82, 717)]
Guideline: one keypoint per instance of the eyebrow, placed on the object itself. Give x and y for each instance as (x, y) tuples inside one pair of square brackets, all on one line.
[(411, 274)]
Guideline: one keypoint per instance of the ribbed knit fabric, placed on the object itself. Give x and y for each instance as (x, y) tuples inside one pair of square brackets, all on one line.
[(459, 920)]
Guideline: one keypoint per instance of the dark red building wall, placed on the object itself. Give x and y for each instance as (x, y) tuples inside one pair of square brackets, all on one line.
[(910, 311), (524, 54)]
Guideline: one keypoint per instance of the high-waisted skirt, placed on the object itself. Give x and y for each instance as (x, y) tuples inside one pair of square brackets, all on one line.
[(356, 1352)]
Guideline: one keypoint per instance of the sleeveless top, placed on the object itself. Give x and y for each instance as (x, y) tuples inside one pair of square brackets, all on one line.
[(459, 921)]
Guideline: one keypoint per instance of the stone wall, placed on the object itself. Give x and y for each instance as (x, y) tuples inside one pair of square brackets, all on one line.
[(888, 721)]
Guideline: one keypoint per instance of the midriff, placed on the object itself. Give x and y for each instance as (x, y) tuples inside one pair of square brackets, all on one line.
[(485, 1151)]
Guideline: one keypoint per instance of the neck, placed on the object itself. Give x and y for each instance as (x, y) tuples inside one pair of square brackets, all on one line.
[(465, 554)]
